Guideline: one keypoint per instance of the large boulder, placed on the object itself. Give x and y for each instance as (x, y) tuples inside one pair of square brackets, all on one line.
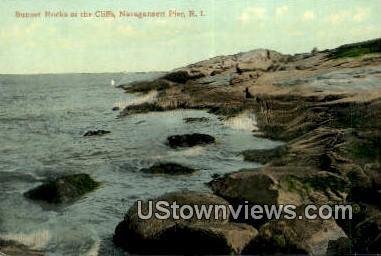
[(208, 239), (252, 186), (64, 189), (189, 140), (96, 133), (296, 236), (168, 168), (138, 235)]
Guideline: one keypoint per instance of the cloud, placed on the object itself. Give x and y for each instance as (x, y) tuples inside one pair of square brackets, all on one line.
[(308, 15), (252, 13), (360, 14), (338, 17), (281, 10)]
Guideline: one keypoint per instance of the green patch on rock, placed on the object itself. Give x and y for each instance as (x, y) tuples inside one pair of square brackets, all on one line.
[(326, 180), (295, 184), (365, 151), (357, 49)]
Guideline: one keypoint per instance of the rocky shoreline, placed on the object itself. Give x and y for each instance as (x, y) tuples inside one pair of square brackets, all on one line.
[(326, 106)]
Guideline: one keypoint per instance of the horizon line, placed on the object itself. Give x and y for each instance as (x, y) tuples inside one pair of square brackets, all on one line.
[(218, 55), (83, 73)]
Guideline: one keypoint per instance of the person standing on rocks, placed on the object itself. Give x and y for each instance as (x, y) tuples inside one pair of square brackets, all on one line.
[(248, 95)]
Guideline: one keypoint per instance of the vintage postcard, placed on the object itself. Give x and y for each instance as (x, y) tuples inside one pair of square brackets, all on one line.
[(203, 127)]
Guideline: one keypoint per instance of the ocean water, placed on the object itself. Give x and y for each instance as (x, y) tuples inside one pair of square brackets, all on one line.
[(42, 122)]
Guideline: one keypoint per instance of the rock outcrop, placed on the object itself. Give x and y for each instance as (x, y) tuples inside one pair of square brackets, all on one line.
[(169, 168), (326, 107), (64, 189), (95, 133), (210, 239), (298, 236), (189, 140), (156, 236)]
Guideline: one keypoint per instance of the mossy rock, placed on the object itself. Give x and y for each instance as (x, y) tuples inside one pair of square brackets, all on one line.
[(64, 189), (325, 180), (264, 156), (146, 86), (169, 168)]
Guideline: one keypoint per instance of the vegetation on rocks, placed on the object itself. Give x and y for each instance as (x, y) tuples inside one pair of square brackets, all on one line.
[(358, 49)]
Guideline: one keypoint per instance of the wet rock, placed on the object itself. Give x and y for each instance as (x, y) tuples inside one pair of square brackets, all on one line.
[(182, 76), (168, 168), (264, 156), (366, 235), (95, 133), (116, 108), (295, 237), (15, 248), (341, 246), (195, 119), (364, 229), (142, 236), (207, 239), (64, 189), (252, 186), (141, 108), (146, 86), (190, 140)]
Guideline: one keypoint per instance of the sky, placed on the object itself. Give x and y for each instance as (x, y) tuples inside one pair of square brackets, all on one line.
[(104, 44)]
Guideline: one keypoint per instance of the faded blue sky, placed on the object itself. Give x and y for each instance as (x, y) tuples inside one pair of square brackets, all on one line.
[(130, 44)]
